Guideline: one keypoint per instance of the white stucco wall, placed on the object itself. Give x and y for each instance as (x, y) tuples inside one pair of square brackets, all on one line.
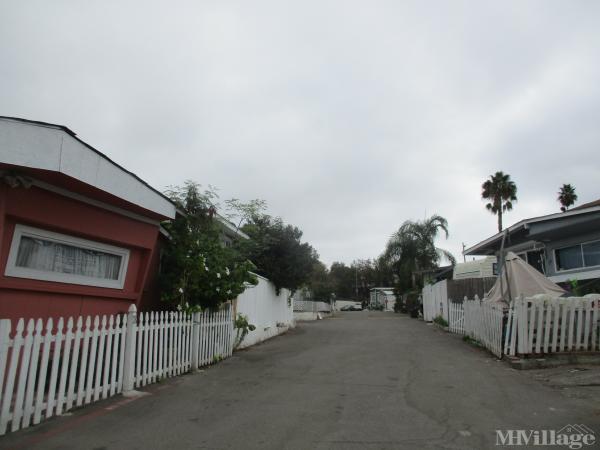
[(300, 316), (265, 310)]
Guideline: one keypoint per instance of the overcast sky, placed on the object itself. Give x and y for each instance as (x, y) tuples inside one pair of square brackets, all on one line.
[(347, 117)]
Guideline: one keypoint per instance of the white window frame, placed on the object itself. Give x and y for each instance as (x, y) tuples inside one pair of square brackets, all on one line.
[(12, 270), (583, 266)]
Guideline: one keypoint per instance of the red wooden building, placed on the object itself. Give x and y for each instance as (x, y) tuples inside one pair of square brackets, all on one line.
[(79, 234)]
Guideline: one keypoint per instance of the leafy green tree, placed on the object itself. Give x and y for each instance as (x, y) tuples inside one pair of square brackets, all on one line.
[(319, 282), (241, 213), (343, 280), (197, 270), (365, 277), (411, 251), (277, 251), (566, 196), (502, 192)]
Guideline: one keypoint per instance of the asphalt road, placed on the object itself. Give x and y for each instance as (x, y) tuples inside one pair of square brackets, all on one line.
[(359, 381)]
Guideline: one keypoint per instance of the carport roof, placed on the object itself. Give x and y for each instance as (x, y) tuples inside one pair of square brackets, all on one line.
[(551, 226)]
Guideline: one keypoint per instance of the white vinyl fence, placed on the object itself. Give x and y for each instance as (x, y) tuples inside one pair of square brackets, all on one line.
[(544, 324), (47, 369)]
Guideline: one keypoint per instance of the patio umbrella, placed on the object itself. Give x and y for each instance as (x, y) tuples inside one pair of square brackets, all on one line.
[(519, 278)]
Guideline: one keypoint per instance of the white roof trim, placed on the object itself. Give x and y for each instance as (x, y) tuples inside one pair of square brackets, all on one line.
[(51, 147)]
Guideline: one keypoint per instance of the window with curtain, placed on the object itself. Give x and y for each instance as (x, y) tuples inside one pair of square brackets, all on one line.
[(591, 253), (44, 255), (576, 256), (569, 258)]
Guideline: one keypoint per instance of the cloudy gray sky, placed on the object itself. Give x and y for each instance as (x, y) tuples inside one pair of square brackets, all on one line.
[(347, 117)]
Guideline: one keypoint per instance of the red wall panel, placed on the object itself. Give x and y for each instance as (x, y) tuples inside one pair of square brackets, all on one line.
[(20, 297)]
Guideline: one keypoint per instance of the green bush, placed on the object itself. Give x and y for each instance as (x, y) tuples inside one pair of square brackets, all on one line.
[(440, 321), (197, 270), (242, 328)]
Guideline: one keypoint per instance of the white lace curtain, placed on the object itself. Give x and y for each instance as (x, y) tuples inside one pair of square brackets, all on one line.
[(50, 256)]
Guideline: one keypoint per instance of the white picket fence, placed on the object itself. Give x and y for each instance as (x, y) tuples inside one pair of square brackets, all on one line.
[(480, 321), (543, 324), (530, 326), (46, 370), (456, 318), (483, 322)]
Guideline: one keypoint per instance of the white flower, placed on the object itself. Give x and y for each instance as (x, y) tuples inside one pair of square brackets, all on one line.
[(218, 275), (206, 268), (181, 290), (178, 307), (229, 291), (227, 271), (218, 289)]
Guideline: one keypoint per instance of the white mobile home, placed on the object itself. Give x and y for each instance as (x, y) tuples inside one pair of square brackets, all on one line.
[(480, 268), (383, 296)]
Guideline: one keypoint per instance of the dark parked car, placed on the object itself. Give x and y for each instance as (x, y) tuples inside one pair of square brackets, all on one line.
[(356, 307)]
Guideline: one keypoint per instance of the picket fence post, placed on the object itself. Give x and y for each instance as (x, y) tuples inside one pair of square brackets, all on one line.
[(195, 340), (130, 340), (4, 345)]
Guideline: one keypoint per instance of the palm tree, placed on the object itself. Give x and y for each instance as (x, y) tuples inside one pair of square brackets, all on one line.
[(502, 192), (412, 249), (566, 196)]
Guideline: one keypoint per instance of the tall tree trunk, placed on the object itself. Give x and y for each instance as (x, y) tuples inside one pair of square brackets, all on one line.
[(499, 220)]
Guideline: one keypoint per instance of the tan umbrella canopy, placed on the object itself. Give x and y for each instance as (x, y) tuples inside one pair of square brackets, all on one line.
[(522, 279)]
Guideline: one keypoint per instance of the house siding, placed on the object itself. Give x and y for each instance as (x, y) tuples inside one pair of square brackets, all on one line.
[(22, 297), (550, 262), (550, 255)]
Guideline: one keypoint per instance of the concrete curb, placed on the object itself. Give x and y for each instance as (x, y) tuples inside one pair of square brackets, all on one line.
[(552, 361)]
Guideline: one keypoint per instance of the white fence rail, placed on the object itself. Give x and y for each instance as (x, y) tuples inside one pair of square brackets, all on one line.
[(46, 370), (544, 324)]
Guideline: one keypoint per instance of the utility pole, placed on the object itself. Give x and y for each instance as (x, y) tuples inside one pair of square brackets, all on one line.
[(356, 282)]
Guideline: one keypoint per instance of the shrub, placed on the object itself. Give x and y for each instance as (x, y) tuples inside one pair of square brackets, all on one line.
[(440, 321), (242, 328), (278, 252), (197, 270)]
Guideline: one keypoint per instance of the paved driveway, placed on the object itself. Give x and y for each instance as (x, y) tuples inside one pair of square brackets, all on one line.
[(362, 380)]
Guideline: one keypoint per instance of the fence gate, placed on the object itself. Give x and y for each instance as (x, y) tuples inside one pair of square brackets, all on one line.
[(456, 318)]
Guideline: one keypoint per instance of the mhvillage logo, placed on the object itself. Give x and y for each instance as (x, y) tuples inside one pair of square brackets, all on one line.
[(571, 436)]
